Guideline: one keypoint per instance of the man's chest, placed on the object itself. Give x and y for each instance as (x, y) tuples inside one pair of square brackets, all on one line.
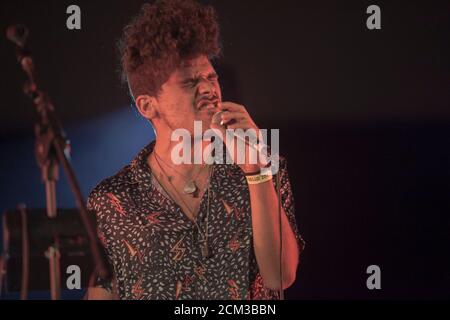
[(156, 232)]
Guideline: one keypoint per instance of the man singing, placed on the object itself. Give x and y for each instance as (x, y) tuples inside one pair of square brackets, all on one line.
[(190, 230)]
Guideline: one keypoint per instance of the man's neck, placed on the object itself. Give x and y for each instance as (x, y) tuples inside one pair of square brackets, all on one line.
[(163, 152)]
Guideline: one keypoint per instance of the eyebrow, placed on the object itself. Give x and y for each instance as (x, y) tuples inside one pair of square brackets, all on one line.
[(196, 76)]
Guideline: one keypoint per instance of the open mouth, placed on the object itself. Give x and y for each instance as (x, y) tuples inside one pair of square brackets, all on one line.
[(207, 104)]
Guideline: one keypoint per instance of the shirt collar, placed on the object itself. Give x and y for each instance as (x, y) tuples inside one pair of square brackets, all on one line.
[(139, 166), (143, 174)]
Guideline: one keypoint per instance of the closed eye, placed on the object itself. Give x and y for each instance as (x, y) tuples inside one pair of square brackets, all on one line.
[(190, 82)]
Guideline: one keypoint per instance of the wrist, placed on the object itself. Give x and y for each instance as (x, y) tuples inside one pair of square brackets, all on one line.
[(252, 169), (258, 178)]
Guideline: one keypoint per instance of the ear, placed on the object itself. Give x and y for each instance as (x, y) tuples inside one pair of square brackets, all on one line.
[(147, 106)]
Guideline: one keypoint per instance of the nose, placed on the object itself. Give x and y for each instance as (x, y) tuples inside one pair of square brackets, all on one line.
[(205, 87)]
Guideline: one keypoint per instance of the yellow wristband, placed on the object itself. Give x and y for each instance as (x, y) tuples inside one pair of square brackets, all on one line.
[(259, 178)]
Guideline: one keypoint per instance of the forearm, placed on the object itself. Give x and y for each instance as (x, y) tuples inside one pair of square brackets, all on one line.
[(266, 237), (97, 293)]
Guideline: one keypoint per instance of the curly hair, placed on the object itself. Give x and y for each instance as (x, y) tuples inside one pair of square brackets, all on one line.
[(160, 37)]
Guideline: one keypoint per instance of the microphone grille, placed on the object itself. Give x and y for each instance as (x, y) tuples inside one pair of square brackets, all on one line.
[(217, 118)]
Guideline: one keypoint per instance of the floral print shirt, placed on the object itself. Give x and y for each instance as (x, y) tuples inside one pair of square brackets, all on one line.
[(154, 250)]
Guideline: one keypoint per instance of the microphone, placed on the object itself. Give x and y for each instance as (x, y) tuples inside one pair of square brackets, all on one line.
[(216, 118)]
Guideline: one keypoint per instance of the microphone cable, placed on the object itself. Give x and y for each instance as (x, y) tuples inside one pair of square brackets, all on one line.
[(278, 190)]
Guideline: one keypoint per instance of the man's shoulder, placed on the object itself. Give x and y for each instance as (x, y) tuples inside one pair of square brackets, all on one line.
[(115, 184)]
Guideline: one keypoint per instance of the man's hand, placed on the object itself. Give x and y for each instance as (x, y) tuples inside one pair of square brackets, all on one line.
[(97, 293), (234, 117)]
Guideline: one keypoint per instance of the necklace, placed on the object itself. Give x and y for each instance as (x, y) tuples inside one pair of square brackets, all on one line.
[(205, 245), (190, 187)]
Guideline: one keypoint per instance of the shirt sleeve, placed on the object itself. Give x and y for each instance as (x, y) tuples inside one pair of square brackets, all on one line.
[(93, 207), (287, 201)]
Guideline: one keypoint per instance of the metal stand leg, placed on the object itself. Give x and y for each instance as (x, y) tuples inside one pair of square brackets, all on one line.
[(53, 257)]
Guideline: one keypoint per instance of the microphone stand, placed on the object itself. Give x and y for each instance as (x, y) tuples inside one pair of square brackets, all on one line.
[(52, 149)]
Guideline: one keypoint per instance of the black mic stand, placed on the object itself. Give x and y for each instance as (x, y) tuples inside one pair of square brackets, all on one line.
[(52, 148)]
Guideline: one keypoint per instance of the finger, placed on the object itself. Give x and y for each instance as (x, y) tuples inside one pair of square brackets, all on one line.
[(240, 125), (230, 106), (228, 116)]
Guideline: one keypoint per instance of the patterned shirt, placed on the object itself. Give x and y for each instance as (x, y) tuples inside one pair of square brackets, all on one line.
[(154, 250)]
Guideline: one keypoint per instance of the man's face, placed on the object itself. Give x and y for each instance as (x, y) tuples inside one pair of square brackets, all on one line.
[(191, 94)]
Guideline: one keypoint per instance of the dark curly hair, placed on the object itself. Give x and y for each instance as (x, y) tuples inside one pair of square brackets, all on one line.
[(160, 37)]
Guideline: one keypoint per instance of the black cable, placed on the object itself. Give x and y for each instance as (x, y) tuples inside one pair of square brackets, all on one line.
[(25, 254), (278, 183)]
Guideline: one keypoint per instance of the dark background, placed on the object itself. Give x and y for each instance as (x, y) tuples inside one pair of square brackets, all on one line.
[(364, 118)]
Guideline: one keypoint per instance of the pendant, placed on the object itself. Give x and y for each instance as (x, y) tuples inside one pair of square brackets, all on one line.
[(190, 187), (205, 250)]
